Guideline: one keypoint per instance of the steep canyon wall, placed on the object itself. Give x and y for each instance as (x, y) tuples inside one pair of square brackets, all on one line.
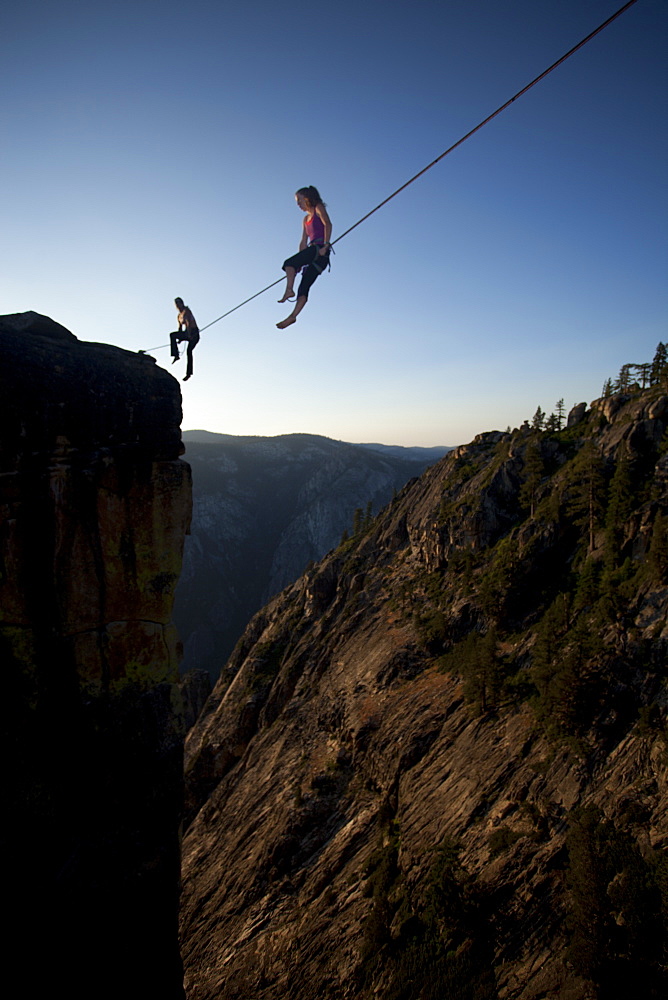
[(436, 766), (94, 506)]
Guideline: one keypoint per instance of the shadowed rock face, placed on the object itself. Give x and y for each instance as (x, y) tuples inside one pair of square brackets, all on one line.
[(435, 766), (94, 506)]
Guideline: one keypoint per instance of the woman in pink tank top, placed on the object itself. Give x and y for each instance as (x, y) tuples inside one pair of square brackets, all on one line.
[(313, 255)]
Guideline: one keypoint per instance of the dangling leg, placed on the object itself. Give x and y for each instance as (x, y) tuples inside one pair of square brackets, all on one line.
[(309, 275), (292, 318), (174, 347), (192, 343), (289, 293)]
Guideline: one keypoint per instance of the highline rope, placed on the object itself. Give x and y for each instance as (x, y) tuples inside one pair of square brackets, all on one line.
[(485, 121)]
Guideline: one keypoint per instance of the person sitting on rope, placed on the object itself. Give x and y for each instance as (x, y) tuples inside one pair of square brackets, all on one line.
[(188, 330), (314, 248)]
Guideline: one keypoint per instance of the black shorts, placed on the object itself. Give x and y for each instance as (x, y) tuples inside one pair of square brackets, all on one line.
[(313, 264), (192, 336)]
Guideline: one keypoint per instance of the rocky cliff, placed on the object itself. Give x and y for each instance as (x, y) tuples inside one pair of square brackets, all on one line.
[(94, 505), (263, 509), (435, 766)]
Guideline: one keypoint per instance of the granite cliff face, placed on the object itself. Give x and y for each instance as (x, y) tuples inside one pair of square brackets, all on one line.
[(263, 509), (94, 506), (435, 766)]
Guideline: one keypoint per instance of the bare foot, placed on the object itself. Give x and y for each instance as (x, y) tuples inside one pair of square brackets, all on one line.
[(288, 296), (287, 322)]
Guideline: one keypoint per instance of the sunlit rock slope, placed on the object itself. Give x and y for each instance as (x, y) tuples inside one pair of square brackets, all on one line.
[(435, 766), (263, 509)]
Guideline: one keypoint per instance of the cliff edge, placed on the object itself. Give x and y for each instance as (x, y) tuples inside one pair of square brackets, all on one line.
[(94, 506)]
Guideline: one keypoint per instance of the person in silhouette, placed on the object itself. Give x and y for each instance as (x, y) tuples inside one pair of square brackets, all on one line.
[(314, 248), (189, 331)]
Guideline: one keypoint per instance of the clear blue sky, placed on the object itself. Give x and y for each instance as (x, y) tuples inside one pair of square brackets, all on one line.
[(152, 149)]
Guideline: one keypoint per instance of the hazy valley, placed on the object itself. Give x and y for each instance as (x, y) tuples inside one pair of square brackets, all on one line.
[(263, 509)]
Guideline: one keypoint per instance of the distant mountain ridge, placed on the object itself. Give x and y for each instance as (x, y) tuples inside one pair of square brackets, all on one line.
[(416, 453), (263, 508)]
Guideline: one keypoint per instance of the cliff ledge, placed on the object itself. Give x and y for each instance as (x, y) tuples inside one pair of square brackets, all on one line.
[(94, 506)]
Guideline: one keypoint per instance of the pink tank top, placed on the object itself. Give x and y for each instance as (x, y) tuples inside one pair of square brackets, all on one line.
[(315, 229)]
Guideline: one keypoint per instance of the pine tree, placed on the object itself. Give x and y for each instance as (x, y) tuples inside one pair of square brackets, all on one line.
[(623, 381), (615, 923), (620, 504), (561, 412), (538, 420), (587, 880), (489, 676), (607, 388), (588, 586), (477, 659), (533, 474), (659, 367), (644, 373), (588, 490), (497, 582), (546, 653)]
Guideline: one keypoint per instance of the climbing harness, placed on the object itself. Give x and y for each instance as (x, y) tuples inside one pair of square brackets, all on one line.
[(322, 261), (472, 132)]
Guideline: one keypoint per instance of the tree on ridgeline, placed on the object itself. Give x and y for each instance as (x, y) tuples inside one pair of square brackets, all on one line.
[(640, 376), (561, 412), (538, 421), (623, 381), (644, 373), (659, 368)]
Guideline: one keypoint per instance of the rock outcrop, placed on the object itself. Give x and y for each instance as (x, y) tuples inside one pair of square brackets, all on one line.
[(436, 765), (94, 506)]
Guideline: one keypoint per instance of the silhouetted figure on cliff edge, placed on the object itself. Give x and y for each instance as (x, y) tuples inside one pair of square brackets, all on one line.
[(189, 331)]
